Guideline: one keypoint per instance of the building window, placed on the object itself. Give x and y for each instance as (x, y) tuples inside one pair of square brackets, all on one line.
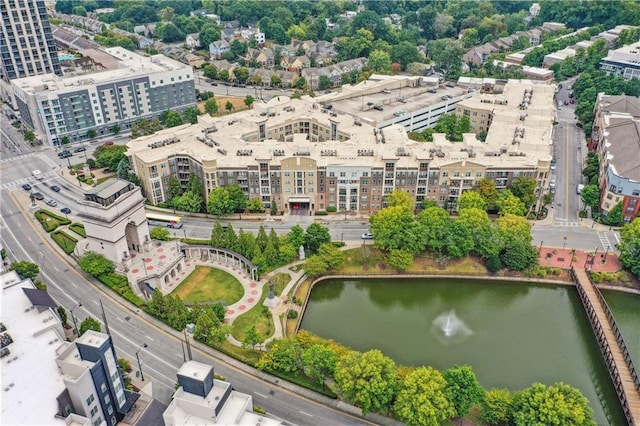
[(98, 421), (103, 388), (90, 399)]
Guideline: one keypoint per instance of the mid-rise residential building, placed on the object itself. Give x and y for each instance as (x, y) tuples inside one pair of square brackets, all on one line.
[(27, 47), (306, 157), (616, 138), (624, 61), (34, 391), (91, 375), (80, 106), (204, 400)]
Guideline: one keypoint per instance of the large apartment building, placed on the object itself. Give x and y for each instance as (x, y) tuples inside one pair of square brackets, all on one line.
[(304, 157), (27, 47), (615, 137), (129, 87), (624, 61)]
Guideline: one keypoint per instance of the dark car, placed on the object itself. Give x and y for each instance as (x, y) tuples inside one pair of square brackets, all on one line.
[(65, 210), (80, 149), (378, 107), (55, 188), (26, 187), (38, 196), (65, 154), (109, 143)]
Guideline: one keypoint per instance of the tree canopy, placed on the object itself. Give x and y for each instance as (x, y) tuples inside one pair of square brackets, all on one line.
[(421, 399)]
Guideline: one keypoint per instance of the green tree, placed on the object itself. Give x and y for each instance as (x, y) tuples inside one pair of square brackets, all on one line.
[(252, 337), (507, 203), (208, 35), (219, 334), (396, 228), (319, 362), (524, 188), (496, 407), (446, 54), (62, 312), (494, 264), (91, 133), (479, 225), (314, 236), (220, 202), (400, 198), (463, 388), (300, 83), (189, 202), (519, 256), (26, 270), (170, 33), (590, 196), (109, 156), (559, 404), (262, 239), (367, 379), (296, 236), (228, 106), (487, 188), (460, 240), (471, 199), (379, 61), (241, 74), (249, 100), (630, 246), (237, 197), (284, 355), (332, 256), (159, 233), (90, 323), (173, 119), (405, 53), (209, 70), (436, 225), (421, 399), (191, 115), (255, 205), (324, 83), (399, 259), (95, 264), (315, 265), (211, 106), (614, 217), (29, 136)]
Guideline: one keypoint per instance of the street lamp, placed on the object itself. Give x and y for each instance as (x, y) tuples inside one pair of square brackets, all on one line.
[(144, 345), (73, 318)]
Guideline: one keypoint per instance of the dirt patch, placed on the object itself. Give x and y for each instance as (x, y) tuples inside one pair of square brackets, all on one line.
[(238, 105)]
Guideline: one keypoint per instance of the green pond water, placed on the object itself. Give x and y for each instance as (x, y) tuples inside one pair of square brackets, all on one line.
[(512, 334)]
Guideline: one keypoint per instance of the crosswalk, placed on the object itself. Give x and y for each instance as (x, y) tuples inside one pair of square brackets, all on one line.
[(604, 240), (18, 158), (566, 224), (16, 184)]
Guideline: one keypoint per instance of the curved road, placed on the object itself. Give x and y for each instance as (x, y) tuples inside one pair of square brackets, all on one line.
[(130, 328)]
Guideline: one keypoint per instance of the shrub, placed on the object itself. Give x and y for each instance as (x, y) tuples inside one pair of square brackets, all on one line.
[(494, 264), (120, 285), (321, 213), (50, 221), (78, 228), (332, 209), (65, 241), (338, 243), (292, 314)]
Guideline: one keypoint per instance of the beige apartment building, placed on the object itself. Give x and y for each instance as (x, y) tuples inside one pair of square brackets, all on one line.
[(305, 158)]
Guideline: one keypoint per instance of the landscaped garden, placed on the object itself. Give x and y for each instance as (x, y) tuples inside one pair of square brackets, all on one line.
[(65, 241), (50, 221), (78, 228), (206, 284)]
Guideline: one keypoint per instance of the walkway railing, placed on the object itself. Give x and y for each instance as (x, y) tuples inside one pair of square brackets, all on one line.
[(615, 352)]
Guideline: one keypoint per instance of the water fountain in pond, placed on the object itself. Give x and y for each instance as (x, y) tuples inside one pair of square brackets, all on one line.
[(449, 326)]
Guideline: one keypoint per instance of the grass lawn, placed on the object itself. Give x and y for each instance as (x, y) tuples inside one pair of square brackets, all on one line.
[(50, 221), (78, 228), (281, 282), (64, 240), (255, 315), (210, 285)]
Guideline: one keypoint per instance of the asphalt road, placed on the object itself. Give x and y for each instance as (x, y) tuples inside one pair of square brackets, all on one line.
[(130, 328)]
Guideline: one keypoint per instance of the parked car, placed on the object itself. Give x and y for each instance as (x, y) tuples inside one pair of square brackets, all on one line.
[(572, 101), (80, 149), (108, 143), (65, 210), (52, 203), (566, 102), (378, 108), (399, 113), (26, 187), (38, 196), (55, 188), (367, 236), (65, 154)]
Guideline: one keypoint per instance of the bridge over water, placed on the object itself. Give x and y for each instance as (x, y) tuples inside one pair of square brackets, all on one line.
[(621, 369)]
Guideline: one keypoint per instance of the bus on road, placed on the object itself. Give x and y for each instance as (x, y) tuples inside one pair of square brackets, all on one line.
[(158, 219)]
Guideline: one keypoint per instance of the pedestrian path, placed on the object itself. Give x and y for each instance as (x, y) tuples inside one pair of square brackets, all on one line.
[(563, 258)]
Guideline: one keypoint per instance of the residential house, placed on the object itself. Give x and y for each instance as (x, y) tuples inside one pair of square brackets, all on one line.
[(287, 78), (193, 41), (263, 74), (263, 57), (195, 61), (228, 34), (140, 29), (218, 48), (296, 63)]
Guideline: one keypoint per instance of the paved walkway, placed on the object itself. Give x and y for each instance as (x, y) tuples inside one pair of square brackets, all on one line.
[(562, 258)]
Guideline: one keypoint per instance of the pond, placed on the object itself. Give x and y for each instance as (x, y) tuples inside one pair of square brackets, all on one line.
[(512, 333)]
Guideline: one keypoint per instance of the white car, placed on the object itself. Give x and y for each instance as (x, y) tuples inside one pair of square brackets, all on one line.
[(367, 236), (52, 203)]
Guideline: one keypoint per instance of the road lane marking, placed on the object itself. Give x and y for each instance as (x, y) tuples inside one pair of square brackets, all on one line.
[(566, 174), (74, 284), (306, 414), (147, 337), (264, 396)]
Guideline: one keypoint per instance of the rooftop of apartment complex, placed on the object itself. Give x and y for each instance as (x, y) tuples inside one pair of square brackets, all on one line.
[(234, 141), (201, 399), (119, 64), (629, 54), (621, 126), (29, 336)]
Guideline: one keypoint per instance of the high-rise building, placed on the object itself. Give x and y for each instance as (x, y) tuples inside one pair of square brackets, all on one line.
[(27, 47)]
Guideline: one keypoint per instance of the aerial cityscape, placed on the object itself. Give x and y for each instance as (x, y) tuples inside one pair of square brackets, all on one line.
[(320, 212)]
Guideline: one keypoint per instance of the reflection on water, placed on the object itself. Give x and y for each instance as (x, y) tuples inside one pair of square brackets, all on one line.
[(513, 334)]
